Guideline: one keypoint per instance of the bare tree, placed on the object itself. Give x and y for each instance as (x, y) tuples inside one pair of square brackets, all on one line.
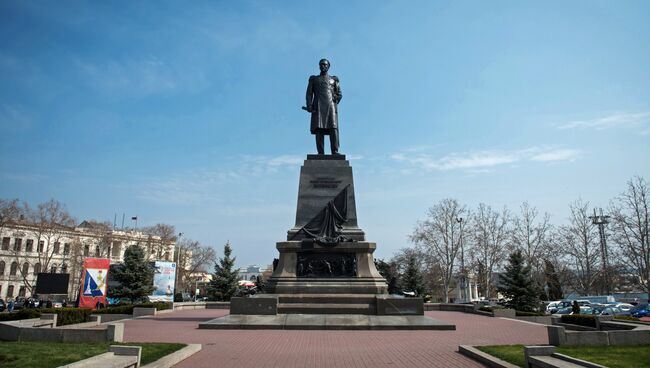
[(11, 211), (50, 223), (532, 236), (579, 242), (630, 215), (490, 234), (440, 237), (161, 236), (193, 257)]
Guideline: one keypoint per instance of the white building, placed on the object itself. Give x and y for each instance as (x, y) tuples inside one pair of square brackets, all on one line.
[(29, 249), (251, 272)]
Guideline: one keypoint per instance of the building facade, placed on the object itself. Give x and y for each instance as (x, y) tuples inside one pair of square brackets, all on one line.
[(27, 250)]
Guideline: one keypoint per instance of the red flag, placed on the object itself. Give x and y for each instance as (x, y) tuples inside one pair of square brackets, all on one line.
[(93, 282)]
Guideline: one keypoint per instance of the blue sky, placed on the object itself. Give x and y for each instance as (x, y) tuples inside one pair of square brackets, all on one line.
[(189, 113)]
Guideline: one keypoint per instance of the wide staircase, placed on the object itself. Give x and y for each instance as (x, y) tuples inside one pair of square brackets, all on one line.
[(327, 304)]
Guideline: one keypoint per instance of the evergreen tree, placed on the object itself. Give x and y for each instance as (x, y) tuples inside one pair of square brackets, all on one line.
[(135, 276), (412, 279), (552, 282), (389, 272), (224, 280), (518, 286)]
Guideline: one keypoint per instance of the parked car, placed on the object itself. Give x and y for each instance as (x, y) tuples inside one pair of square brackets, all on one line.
[(625, 307), (608, 310), (3, 306), (552, 307), (640, 310)]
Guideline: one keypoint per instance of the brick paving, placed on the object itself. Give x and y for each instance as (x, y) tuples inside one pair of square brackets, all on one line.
[(353, 349)]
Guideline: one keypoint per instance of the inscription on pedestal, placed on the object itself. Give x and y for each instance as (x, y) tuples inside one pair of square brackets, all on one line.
[(325, 182), (326, 265)]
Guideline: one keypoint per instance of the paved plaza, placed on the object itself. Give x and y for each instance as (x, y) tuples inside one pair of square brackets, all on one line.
[(280, 348)]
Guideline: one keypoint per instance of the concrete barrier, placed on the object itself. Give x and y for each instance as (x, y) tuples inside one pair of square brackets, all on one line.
[(23, 332), (107, 318), (142, 312), (504, 312)]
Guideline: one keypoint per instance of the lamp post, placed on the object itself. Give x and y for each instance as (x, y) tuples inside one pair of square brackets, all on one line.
[(463, 290), (177, 257)]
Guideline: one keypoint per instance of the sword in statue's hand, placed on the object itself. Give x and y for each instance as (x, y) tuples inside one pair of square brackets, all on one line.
[(306, 108)]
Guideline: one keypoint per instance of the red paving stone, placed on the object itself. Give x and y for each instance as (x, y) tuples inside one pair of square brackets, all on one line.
[(354, 349)]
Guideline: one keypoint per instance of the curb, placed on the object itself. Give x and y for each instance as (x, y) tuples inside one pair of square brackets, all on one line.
[(176, 357), (485, 358)]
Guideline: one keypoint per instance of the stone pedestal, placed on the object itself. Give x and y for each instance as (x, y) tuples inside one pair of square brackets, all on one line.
[(307, 267)]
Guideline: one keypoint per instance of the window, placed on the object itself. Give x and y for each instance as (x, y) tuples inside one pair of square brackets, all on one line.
[(29, 245), (18, 243), (41, 246), (86, 250), (116, 249), (2, 267), (25, 269), (10, 291), (21, 291), (53, 268), (66, 248), (13, 269), (37, 268), (57, 247), (97, 251), (5, 243), (64, 268)]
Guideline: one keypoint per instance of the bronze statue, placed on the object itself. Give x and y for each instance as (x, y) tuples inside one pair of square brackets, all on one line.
[(323, 96)]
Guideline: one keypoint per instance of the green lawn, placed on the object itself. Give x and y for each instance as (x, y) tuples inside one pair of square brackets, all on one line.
[(610, 356), (54, 354)]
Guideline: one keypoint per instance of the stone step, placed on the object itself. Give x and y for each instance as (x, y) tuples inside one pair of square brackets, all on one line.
[(326, 308), (326, 298)]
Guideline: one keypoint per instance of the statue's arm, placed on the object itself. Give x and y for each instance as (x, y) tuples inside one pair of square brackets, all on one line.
[(338, 95), (309, 97)]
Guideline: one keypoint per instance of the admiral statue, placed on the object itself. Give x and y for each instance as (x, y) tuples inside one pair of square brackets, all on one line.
[(323, 96)]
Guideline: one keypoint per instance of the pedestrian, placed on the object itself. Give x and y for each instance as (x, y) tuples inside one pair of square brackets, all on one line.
[(575, 308), (10, 306)]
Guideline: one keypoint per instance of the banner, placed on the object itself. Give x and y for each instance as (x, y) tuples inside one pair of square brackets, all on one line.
[(93, 282), (163, 281)]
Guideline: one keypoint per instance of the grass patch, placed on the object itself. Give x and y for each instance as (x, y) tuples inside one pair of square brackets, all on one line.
[(54, 354), (610, 356), (510, 353)]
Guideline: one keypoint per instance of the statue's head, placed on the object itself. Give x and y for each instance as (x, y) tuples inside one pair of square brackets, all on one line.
[(324, 65)]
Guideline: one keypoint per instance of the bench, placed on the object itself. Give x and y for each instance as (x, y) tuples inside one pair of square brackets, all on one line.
[(118, 356)]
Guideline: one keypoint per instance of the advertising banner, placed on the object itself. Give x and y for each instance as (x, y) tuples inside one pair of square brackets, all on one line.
[(93, 282), (163, 281)]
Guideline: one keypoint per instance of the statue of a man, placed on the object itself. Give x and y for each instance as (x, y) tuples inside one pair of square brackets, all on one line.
[(323, 96)]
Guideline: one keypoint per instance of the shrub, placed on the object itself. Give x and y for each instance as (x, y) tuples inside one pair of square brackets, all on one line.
[(627, 318), (486, 309), (579, 319)]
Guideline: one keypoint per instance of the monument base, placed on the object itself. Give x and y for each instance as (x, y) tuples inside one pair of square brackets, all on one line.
[(310, 268)]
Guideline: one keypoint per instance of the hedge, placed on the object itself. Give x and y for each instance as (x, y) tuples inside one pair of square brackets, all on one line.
[(579, 319), (65, 316), (128, 308), (486, 309)]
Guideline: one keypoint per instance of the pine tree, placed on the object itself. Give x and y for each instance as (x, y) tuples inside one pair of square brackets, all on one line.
[(389, 272), (412, 279), (135, 276), (518, 286), (552, 282), (224, 280)]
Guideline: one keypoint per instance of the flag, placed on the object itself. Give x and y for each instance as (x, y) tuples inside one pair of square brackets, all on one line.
[(134, 218), (93, 282)]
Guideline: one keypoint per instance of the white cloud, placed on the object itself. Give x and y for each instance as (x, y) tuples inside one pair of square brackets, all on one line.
[(481, 161), (560, 154), (610, 121)]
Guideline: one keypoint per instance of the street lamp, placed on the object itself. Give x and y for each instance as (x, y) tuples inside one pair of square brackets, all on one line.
[(177, 257), (463, 291)]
